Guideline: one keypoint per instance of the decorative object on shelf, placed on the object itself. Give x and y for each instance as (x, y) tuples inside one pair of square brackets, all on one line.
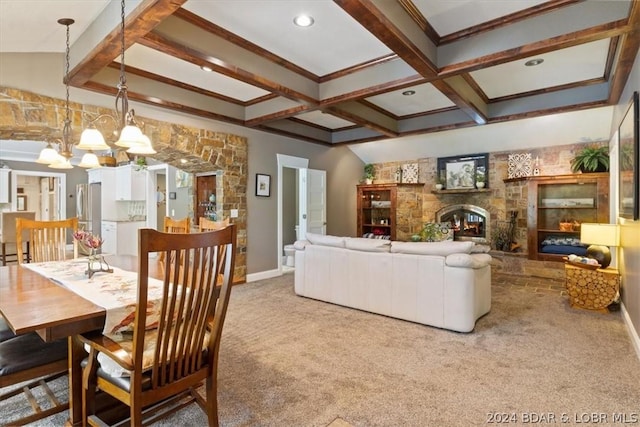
[(399, 174), (62, 159), (591, 159), (600, 236), (519, 165), (95, 262), (460, 171), (131, 137), (263, 185), (629, 147), (480, 179), (410, 173), (536, 167), (441, 180), (369, 173)]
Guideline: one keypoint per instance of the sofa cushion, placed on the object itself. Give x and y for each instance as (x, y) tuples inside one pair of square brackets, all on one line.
[(367, 245), (437, 232), (431, 248), (325, 240), (467, 260)]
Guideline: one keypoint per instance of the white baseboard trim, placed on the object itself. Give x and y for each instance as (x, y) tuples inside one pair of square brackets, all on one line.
[(633, 334), (254, 277)]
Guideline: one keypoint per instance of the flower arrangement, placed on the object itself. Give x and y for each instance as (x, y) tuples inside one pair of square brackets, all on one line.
[(93, 243), (88, 240)]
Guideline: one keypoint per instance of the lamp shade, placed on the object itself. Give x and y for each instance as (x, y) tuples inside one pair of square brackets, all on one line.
[(61, 163), (145, 148), (92, 139), (130, 136), (48, 155), (600, 234), (90, 160)]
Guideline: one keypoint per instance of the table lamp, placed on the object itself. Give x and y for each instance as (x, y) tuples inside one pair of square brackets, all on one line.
[(600, 236)]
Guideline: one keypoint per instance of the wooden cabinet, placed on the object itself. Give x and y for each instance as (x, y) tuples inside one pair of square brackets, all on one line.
[(4, 185), (130, 183), (376, 207), (559, 204)]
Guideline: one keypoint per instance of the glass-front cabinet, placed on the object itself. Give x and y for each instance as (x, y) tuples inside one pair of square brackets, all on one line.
[(558, 205), (376, 207)]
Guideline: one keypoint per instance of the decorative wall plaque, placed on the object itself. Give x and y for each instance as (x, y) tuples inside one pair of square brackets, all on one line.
[(519, 165), (410, 173)]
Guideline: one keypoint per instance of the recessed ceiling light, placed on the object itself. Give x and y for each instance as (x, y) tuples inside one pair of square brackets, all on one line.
[(205, 68), (534, 62), (183, 161), (303, 21), (409, 92)]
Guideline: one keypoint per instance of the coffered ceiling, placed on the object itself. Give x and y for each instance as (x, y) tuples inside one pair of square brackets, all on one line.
[(366, 70)]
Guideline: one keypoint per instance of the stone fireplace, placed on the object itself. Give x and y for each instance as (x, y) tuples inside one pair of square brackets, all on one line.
[(469, 222)]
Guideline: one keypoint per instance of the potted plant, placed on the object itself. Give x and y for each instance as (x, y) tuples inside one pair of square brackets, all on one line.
[(591, 159), (369, 173), (440, 182), (480, 179)]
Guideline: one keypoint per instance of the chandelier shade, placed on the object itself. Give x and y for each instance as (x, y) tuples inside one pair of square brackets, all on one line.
[(90, 160), (48, 155), (61, 163), (92, 139), (144, 148)]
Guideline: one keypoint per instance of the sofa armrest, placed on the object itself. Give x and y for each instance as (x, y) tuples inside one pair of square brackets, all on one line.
[(468, 260), (299, 245)]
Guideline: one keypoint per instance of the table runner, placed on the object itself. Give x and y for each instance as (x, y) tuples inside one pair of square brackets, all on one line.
[(116, 292)]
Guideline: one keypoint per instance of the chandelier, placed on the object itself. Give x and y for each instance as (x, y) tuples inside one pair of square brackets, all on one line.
[(62, 159), (131, 137)]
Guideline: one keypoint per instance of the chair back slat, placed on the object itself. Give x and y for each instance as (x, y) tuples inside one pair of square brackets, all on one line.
[(47, 239), (198, 264), (206, 224)]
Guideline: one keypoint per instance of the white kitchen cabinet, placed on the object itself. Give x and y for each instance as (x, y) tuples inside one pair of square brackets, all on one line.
[(121, 237), (94, 175), (4, 185), (130, 183)]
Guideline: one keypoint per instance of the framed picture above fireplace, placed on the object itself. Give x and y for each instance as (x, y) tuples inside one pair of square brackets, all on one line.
[(464, 172)]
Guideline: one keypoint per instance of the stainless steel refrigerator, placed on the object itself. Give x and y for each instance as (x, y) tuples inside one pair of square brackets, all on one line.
[(88, 209)]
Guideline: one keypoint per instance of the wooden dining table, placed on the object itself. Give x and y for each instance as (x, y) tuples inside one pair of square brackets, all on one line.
[(30, 302)]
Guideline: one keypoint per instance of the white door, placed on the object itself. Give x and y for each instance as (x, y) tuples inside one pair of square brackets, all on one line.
[(315, 206)]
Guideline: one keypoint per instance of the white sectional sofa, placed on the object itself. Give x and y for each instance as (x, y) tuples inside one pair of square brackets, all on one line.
[(441, 284)]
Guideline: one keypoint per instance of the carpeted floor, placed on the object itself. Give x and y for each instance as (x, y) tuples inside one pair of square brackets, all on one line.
[(292, 361)]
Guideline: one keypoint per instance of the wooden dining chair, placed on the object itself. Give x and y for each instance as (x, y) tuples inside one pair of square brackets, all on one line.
[(171, 361), (47, 239), (8, 234), (175, 226), (206, 224), (27, 357)]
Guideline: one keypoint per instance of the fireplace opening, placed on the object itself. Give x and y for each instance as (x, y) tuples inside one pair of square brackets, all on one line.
[(469, 222)]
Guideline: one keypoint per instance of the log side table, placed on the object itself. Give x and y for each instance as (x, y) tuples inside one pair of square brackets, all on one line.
[(591, 289)]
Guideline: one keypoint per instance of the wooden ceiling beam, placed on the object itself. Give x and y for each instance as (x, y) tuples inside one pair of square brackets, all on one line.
[(138, 23)]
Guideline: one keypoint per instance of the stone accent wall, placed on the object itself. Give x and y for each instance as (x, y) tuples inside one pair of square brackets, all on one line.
[(29, 116), (500, 201)]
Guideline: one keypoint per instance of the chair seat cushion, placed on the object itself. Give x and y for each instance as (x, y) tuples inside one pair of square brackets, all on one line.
[(5, 331), (28, 351)]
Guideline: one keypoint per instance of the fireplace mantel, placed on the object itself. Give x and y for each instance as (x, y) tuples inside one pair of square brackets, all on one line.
[(462, 190)]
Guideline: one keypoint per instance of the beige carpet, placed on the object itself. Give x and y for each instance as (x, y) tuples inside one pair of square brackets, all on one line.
[(292, 361)]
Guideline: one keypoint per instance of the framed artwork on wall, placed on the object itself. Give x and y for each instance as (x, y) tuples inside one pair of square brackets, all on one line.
[(629, 153), (263, 185)]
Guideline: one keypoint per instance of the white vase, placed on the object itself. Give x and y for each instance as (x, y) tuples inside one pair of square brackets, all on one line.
[(480, 184), (368, 181), (438, 187)]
